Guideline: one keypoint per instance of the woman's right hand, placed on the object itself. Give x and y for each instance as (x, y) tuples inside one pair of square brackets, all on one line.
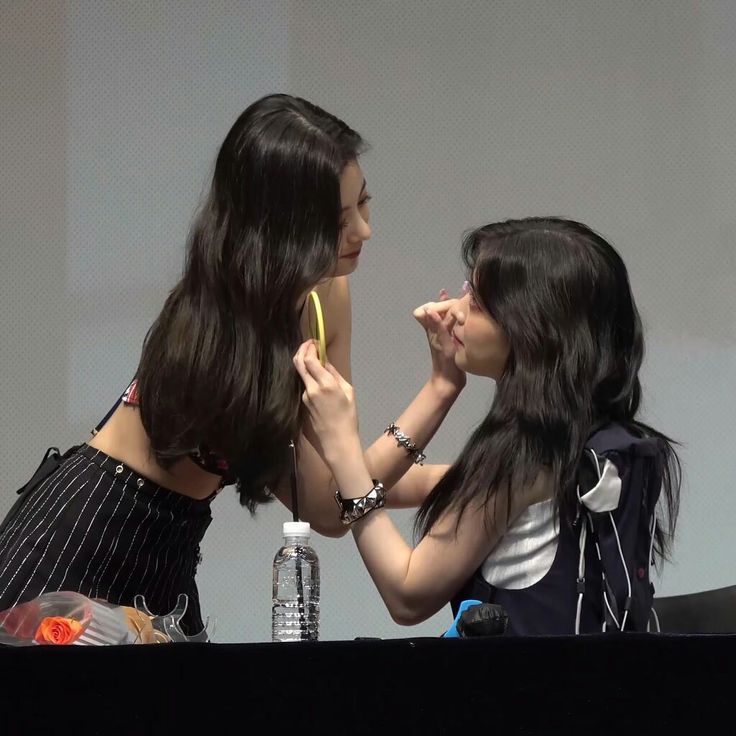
[(437, 320), (330, 402)]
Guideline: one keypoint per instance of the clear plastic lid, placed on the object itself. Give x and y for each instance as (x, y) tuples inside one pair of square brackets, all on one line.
[(297, 529)]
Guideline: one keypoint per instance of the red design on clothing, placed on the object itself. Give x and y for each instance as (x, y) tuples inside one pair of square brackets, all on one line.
[(130, 397)]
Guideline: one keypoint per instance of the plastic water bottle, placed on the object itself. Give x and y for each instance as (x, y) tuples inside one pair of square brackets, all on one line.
[(295, 611)]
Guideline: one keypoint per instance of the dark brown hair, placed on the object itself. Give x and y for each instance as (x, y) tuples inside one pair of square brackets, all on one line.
[(216, 367), (561, 294)]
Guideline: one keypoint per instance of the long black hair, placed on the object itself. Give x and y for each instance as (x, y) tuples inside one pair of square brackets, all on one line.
[(561, 294), (216, 367)]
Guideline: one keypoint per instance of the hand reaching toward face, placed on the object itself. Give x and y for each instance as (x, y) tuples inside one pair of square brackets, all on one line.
[(437, 320)]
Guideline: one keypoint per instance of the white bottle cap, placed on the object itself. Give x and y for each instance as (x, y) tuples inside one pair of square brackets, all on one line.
[(296, 529)]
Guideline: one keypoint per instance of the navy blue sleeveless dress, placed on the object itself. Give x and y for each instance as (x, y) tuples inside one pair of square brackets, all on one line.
[(553, 577)]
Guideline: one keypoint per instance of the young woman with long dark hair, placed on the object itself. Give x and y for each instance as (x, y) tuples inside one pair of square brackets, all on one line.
[(553, 509), (216, 399)]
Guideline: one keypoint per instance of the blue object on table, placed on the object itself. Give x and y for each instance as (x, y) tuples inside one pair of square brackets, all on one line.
[(452, 632)]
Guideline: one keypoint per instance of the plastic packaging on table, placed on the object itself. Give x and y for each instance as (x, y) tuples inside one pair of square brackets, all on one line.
[(66, 617)]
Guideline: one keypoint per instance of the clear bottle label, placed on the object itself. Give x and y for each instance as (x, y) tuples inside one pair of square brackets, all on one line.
[(296, 592)]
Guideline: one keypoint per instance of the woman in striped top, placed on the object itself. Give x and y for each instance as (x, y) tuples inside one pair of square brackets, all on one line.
[(216, 398)]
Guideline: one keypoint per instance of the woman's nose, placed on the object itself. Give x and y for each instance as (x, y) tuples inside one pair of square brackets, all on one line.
[(360, 231)]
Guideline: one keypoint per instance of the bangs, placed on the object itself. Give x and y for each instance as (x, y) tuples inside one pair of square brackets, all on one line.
[(482, 256)]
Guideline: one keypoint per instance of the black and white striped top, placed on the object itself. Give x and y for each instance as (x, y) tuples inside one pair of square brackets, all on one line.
[(96, 527)]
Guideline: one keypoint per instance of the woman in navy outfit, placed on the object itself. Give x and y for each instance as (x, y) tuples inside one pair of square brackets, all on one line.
[(562, 495)]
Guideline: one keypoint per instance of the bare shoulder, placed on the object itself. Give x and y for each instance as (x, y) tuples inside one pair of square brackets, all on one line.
[(335, 297)]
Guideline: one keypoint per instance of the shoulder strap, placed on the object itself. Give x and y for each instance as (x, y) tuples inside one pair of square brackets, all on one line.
[(107, 416), (104, 419)]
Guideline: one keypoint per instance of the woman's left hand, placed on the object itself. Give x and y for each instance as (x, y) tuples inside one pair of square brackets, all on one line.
[(330, 401), (438, 321)]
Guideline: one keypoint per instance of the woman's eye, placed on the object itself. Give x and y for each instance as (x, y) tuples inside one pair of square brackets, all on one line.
[(363, 202)]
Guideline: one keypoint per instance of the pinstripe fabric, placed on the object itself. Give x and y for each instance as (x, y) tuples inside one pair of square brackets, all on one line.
[(96, 527)]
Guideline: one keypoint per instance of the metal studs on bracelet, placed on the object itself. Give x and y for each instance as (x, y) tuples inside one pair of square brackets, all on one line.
[(353, 509), (403, 440)]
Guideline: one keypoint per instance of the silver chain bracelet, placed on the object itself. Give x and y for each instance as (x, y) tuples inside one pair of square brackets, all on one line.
[(403, 440)]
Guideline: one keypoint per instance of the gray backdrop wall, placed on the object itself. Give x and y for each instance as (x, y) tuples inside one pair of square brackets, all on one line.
[(619, 114)]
